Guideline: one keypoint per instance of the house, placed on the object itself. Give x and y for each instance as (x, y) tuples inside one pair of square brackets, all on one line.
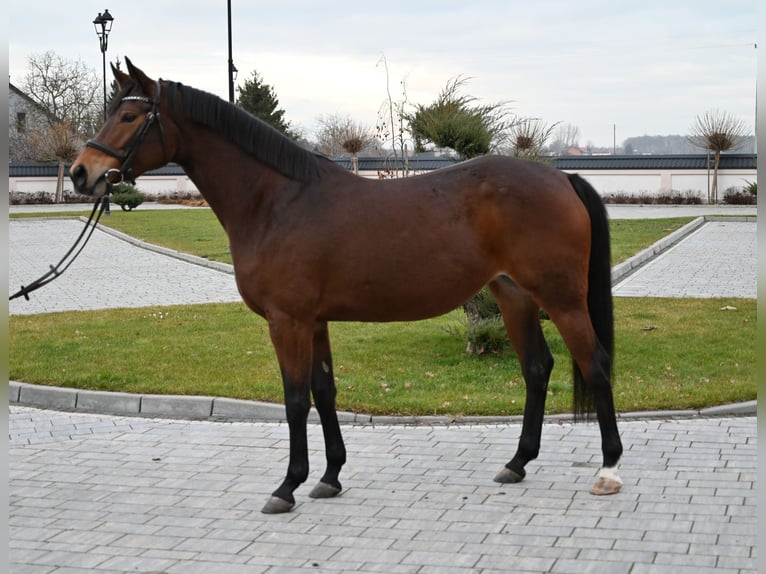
[(24, 116)]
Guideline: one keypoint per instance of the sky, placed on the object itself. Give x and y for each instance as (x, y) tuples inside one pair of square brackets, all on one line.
[(612, 69)]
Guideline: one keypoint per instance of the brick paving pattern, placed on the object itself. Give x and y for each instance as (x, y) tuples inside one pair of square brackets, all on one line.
[(102, 494), (115, 494)]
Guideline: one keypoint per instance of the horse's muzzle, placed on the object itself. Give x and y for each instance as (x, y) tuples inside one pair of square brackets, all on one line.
[(80, 178)]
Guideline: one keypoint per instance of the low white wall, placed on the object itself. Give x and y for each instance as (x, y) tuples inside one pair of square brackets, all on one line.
[(636, 182), (156, 185), (649, 182)]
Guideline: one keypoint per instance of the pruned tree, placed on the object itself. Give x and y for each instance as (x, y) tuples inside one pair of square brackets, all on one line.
[(528, 137), (455, 120), (260, 99), (717, 131), (339, 135), (67, 90), (58, 142)]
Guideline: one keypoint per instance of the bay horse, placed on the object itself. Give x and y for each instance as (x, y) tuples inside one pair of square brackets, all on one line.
[(313, 243)]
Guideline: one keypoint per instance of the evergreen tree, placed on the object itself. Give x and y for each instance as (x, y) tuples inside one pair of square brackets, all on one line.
[(456, 121), (260, 99)]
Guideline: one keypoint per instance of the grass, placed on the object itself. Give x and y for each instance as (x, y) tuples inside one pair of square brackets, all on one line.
[(670, 353), (198, 232), (629, 236)]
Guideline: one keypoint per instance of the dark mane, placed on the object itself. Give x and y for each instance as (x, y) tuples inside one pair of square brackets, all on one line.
[(253, 135)]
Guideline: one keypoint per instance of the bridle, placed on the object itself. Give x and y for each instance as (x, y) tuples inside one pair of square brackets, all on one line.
[(114, 176)]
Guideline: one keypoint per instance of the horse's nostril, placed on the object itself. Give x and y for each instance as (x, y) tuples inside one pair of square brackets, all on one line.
[(79, 176)]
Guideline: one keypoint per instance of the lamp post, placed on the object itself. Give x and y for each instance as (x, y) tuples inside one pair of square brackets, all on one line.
[(232, 68), (103, 25)]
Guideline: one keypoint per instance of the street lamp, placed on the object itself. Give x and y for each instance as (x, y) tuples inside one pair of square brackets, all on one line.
[(103, 25), (232, 68)]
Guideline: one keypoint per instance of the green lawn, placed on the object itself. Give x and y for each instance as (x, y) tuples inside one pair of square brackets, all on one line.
[(197, 231), (670, 353)]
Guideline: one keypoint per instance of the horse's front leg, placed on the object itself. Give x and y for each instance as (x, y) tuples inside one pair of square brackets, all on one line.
[(324, 391), (522, 324), (293, 344)]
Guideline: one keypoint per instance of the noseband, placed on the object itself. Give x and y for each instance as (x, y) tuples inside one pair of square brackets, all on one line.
[(126, 159)]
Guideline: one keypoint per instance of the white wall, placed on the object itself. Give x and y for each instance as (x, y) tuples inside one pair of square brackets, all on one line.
[(636, 182), (649, 182), (161, 186)]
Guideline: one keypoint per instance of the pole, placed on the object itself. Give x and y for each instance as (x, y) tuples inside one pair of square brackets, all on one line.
[(231, 61), (103, 65)]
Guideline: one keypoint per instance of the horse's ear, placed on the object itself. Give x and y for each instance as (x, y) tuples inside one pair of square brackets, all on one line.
[(147, 84), (119, 75)]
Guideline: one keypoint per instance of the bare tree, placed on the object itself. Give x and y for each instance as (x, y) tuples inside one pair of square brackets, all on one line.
[(717, 131), (67, 90), (339, 135), (566, 136)]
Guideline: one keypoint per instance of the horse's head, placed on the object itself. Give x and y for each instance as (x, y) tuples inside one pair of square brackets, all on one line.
[(132, 140)]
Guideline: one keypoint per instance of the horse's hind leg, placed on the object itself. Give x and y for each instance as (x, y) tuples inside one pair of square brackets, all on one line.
[(324, 391), (595, 367), (522, 323)]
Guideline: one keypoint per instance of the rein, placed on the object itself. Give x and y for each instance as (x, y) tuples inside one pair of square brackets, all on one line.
[(112, 176), (63, 265)]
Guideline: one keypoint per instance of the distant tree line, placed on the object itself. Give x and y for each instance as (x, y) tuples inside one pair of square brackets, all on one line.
[(673, 144)]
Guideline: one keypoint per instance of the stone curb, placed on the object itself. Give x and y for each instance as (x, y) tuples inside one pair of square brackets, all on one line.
[(629, 266), (619, 272), (201, 261), (217, 408)]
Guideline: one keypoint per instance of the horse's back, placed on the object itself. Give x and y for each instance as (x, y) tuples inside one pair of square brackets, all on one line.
[(417, 247)]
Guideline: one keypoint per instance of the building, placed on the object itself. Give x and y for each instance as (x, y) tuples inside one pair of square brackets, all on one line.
[(630, 175), (24, 116)]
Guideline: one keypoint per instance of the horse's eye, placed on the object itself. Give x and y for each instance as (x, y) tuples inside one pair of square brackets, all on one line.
[(128, 118)]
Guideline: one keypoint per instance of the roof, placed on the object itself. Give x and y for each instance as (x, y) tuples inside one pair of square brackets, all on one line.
[(653, 162), (384, 163), (573, 163), (50, 169), (40, 109), (173, 169)]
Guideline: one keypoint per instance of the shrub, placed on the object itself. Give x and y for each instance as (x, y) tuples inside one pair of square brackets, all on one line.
[(664, 197), (487, 335), (127, 196), (736, 196), (751, 187)]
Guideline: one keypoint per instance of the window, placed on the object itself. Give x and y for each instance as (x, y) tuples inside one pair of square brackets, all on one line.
[(21, 122)]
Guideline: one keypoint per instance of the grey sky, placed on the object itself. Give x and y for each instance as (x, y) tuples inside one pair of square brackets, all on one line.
[(645, 67)]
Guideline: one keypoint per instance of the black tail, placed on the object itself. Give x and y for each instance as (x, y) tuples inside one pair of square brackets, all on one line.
[(599, 288)]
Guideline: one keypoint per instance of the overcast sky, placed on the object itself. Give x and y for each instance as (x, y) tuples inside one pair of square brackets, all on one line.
[(633, 68)]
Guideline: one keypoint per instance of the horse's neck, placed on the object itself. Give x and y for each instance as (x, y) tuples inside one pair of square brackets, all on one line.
[(231, 181)]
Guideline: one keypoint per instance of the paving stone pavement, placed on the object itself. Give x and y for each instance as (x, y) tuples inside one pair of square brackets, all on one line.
[(104, 494), (109, 273), (717, 259), (112, 494)]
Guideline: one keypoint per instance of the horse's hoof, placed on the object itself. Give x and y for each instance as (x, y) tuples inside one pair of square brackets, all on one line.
[(324, 490), (604, 486), (508, 476), (276, 505)]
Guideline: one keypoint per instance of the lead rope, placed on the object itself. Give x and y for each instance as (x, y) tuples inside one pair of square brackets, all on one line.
[(63, 265)]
